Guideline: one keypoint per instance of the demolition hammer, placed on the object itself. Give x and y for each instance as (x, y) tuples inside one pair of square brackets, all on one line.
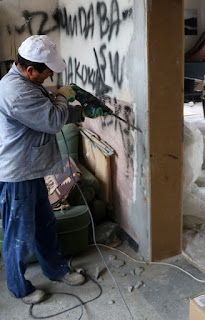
[(85, 98)]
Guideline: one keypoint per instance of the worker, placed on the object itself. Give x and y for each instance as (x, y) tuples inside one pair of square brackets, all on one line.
[(29, 120)]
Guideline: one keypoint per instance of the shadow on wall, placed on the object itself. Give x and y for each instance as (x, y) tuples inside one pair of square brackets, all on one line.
[(5, 67)]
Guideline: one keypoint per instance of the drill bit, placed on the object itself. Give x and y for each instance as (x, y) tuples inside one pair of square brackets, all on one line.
[(130, 125)]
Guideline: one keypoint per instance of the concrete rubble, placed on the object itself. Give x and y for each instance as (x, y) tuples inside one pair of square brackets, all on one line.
[(117, 263), (138, 285), (130, 288), (138, 270)]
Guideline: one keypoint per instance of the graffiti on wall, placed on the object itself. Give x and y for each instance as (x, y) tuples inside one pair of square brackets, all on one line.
[(83, 24), (30, 23), (126, 112), (105, 71), (77, 72), (104, 21)]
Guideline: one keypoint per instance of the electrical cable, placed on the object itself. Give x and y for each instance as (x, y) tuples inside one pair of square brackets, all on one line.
[(65, 293), (60, 312), (93, 231), (71, 308), (154, 263)]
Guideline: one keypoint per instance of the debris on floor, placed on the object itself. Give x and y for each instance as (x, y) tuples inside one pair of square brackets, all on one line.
[(99, 272), (165, 295), (112, 257), (138, 285), (138, 270), (117, 263), (130, 288)]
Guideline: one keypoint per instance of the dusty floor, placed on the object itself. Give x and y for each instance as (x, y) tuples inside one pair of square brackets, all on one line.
[(163, 295)]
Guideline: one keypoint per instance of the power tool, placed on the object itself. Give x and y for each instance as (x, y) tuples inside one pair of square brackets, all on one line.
[(86, 98)]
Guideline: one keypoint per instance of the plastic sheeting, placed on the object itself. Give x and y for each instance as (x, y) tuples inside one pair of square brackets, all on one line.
[(193, 153), (193, 195)]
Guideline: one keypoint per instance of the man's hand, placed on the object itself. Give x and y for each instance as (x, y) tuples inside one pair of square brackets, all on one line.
[(90, 112), (67, 92)]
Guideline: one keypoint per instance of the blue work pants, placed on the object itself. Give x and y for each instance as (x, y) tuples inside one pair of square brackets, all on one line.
[(29, 226)]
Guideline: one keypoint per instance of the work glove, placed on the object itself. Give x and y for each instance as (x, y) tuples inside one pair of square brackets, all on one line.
[(91, 112), (67, 92)]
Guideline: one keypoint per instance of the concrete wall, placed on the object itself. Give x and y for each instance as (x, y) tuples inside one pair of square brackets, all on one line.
[(104, 46), (199, 5)]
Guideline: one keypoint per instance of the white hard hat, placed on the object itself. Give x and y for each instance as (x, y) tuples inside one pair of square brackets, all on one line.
[(40, 48)]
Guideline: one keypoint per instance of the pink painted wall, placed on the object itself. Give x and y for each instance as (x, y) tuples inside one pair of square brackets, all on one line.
[(120, 137)]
